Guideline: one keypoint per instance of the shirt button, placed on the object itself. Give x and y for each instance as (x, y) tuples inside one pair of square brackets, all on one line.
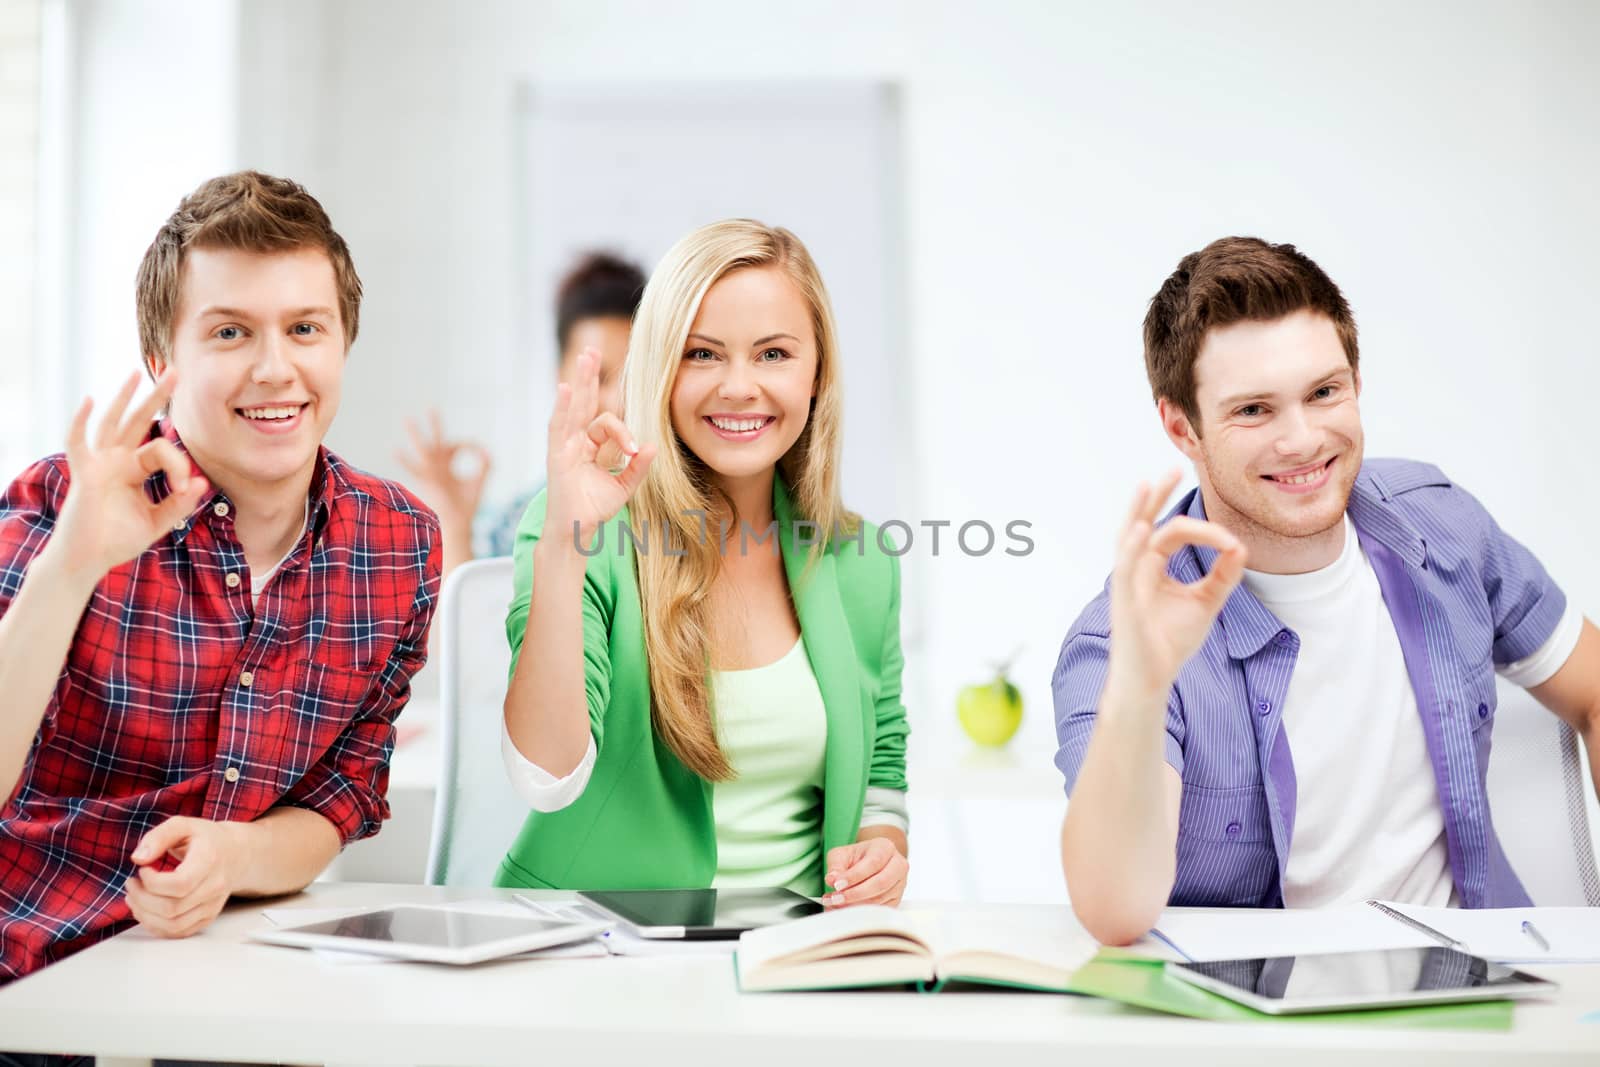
[(1233, 828), (232, 580), (231, 774), (245, 678), (220, 509), (1263, 706), (1285, 637), (1483, 711)]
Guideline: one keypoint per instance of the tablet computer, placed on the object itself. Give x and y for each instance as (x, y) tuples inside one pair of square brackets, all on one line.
[(701, 914), (1354, 981), (433, 935)]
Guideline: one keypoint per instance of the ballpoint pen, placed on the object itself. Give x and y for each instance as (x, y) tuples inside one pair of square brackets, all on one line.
[(1533, 932)]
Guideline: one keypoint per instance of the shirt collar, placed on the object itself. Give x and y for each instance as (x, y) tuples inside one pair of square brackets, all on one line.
[(323, 481), (1247, 625)]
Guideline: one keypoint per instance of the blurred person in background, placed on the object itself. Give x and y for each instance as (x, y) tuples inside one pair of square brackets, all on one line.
[(712, 711), (595, 303)]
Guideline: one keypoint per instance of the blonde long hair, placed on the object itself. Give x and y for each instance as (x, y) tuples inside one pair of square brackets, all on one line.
[(674, 590)]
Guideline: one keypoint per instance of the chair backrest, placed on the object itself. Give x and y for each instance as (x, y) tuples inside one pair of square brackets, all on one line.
[(476, 812), (1538, 796)]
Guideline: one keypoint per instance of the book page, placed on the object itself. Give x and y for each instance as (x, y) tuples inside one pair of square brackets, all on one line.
[(1033, 946), (797, 940)]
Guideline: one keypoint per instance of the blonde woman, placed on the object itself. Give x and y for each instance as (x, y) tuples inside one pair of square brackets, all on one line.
[(706, 644)]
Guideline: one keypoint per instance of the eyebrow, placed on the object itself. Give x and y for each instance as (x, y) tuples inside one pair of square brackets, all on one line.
[(237, 313), (759, 341), (1250, 398)]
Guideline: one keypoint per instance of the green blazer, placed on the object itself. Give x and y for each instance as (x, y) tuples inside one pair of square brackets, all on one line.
[(644, 821)]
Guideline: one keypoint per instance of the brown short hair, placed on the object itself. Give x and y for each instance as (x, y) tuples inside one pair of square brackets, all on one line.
[(247, 211), (1228, 281)]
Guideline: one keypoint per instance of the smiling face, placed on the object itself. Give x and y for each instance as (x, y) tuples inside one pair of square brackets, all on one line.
[(1279, 443), (748, 374), (259, 349)]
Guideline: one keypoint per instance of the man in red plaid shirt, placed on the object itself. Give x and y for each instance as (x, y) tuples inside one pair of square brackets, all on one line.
[(208, 623)]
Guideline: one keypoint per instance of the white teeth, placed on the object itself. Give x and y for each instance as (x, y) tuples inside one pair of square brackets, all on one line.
[(1299, 479), (270, 413), (738, 425)]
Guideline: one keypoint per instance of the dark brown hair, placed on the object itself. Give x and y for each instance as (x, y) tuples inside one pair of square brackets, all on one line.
[(247, 211), (1228, 281), (599, 286)]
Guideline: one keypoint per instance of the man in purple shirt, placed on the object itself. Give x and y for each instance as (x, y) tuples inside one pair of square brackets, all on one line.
[(1313, 729)]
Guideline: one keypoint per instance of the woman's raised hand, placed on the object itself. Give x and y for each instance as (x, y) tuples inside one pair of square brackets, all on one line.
[(594, 466)]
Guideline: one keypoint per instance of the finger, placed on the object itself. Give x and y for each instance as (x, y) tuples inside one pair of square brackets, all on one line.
[(615, 444), (560, 416), (632, 476), (1158, 496), (1135, 509), (169, 835), (160, 454), (1226, 573), (841, 859), (872, 858), (1182, 530), (179, 506), (879, 886), (78, 434), (112, 419), (174, 918), (585, 390), (406, 460), (199, 867), (435, 427), (136, 427)]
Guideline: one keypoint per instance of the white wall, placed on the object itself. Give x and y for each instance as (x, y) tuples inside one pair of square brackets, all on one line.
[(1437, 159), (153, 113)]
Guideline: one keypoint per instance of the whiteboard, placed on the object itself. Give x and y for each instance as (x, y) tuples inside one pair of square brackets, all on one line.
[(632, 167)]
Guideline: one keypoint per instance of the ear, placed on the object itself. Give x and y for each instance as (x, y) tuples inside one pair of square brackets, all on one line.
[(1180, 430), (152, 365)]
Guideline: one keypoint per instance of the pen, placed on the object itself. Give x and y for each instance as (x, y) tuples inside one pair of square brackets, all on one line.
[(1533, 932)]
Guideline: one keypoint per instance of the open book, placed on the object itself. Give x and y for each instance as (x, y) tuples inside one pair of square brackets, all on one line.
[(876, 946)]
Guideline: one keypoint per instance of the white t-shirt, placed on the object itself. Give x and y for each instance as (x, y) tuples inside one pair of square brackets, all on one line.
[(1368, 824)]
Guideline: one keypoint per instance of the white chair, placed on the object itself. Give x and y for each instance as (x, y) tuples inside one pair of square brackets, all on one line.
[(1539, 790), (476, 812)]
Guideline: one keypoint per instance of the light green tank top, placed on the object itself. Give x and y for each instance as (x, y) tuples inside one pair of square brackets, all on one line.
[(773, 726)]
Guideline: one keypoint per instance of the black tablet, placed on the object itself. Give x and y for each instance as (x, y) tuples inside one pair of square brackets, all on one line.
[(701, 914)]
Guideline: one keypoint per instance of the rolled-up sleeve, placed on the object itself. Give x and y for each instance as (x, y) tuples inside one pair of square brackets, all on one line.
[(349, 785), (1079, 678)]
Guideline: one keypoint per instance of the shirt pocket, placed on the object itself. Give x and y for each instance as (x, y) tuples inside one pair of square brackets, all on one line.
[(324, 700), (1225, 851)]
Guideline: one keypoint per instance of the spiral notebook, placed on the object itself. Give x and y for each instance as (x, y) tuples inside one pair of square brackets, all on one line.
[(1506, 935)]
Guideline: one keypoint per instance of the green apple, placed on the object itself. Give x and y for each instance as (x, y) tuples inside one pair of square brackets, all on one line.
[(990, 713)]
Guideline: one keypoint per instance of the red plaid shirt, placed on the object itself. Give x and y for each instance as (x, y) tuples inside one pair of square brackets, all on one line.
[(181, 696)]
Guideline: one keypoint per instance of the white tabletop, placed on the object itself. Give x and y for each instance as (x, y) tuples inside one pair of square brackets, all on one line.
[(217, 996)]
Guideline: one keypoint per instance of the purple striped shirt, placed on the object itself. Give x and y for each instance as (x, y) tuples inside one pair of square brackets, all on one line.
[(1464, 597)]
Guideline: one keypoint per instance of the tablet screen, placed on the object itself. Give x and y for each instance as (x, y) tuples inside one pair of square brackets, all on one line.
[(1360, 975), (703, 909), (434, 927)]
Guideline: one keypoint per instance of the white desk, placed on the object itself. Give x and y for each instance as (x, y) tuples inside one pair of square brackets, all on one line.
[(217, 997)]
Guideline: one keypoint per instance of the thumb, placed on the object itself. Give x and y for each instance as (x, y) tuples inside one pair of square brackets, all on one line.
[(178, 506), (161, 840)]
